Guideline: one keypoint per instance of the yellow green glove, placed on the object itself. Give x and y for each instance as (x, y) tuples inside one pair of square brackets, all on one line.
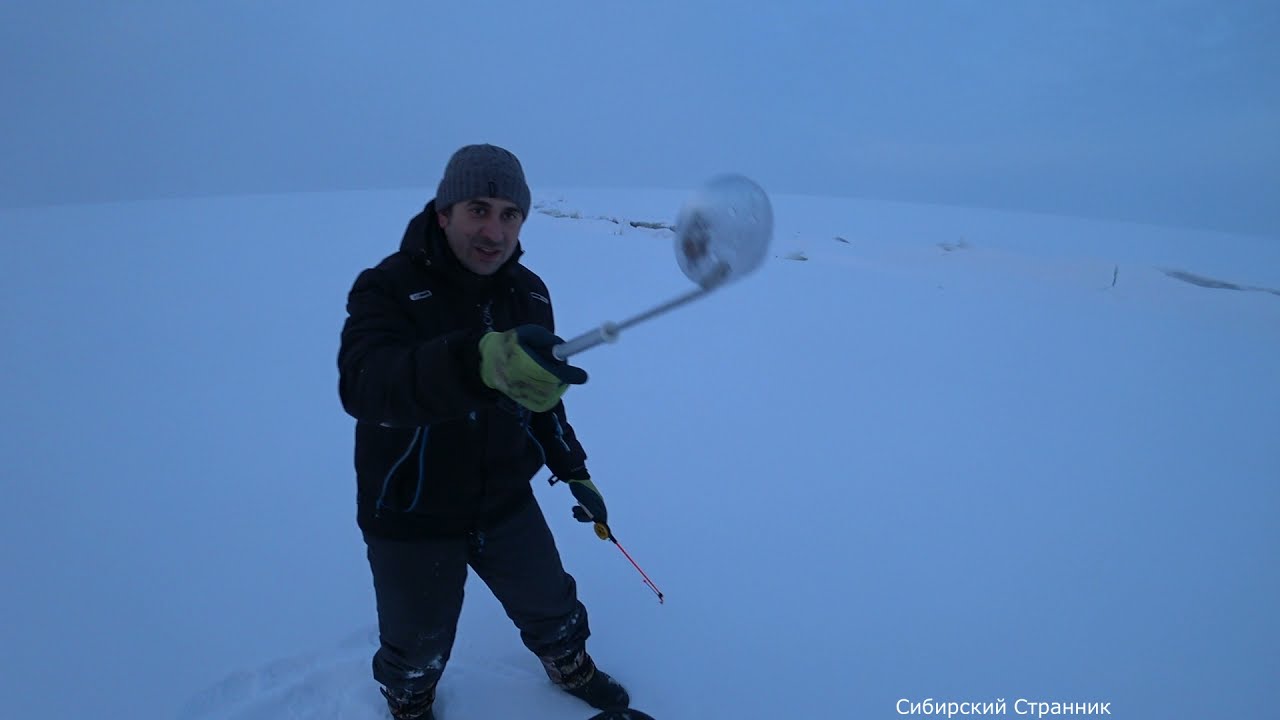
[(590, 507), (518, 363)]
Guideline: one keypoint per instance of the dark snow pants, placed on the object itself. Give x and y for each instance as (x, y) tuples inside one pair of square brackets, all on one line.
[(419, 585)]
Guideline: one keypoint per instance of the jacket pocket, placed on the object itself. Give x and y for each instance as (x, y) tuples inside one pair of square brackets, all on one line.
[(404, 467)]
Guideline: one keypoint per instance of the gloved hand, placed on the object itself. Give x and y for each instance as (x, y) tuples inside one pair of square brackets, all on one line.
[(518, 363), (590, 507)]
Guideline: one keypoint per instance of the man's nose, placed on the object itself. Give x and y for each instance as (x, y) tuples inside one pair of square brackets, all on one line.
[(491, 229)]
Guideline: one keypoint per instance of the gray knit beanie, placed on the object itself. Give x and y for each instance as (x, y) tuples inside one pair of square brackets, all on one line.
[(483, 171)]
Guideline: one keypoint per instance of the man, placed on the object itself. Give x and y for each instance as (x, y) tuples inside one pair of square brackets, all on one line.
[(446, 365)]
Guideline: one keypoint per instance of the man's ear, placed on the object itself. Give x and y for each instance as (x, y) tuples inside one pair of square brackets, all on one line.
[(442, 217)]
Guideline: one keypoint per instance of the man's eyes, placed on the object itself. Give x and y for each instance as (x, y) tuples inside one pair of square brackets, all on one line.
[(507, 215)]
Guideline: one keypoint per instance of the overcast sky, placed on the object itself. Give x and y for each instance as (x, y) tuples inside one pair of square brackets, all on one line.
[(1162, 111)]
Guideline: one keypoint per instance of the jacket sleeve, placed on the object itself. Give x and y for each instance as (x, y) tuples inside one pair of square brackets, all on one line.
[(565, 457), (387, 375)]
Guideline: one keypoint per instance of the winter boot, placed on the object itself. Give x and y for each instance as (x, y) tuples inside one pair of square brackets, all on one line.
[(410, 705), (577, 675)]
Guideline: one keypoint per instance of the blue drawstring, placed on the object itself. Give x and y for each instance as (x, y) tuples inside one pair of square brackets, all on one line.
[(386, 482), (536, 444), (560, 432), (422, 472)]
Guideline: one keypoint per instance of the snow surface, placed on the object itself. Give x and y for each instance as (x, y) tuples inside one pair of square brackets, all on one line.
[(924, 452)]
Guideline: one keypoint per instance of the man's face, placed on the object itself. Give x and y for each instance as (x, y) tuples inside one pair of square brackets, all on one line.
[(482, 232)]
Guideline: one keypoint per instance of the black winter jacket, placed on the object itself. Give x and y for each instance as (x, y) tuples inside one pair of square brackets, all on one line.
[(436, 451)]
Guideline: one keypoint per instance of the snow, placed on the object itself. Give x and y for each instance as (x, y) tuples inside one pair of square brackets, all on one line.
[(923, 452)]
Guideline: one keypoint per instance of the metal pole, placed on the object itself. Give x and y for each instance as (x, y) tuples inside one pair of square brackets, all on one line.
[(608, 332)]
